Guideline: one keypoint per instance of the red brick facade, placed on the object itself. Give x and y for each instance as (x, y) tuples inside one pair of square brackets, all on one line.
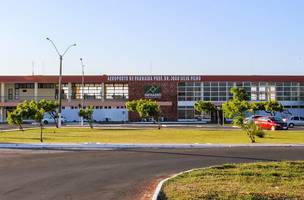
[(168, 96)]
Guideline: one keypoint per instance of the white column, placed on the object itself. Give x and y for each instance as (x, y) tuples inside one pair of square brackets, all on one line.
[(2, 92), (202, 90), (69, 92), (103, 93), (36, 91), (1, 114)]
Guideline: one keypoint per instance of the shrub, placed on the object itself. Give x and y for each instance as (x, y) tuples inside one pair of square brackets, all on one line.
[(253, 130), (260, 133), (87, 114)]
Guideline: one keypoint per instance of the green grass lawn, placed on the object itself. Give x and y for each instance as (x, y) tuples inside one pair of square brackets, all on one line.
[(260, 181), (165, 135)]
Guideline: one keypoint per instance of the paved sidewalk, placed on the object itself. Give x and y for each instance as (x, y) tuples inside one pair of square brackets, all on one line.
[(109, 146)]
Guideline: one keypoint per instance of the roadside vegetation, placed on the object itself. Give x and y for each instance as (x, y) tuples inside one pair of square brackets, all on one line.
[(148, 135), (238, 107), (87, 114), (32, 110), (145, 108), (261, 181)]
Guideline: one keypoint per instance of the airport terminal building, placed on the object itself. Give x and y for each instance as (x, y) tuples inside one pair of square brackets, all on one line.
[(176, 94)]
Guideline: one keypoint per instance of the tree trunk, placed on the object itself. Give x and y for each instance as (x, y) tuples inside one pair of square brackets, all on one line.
[(20, 127), (41, 139), (56, 122), (91, 124), (53, 115), (159, 125), (252, 138)]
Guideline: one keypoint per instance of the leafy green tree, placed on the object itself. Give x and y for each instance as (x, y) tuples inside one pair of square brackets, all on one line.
[(19, 114), (239, 93), (50, 107), (257, 106), (148, 108), (87, 114), (131, 105), (28, 110), (204, 106), (273, 106), (15, 117), (145, 108), (236, 109)]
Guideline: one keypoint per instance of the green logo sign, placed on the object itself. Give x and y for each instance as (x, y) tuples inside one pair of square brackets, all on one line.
[(152, 91)]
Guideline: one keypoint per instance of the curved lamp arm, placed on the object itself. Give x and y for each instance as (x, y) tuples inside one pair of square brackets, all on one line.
[(53, 45), (72, 45)]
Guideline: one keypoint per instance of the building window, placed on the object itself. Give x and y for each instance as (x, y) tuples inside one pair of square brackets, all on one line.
[(88, 91), (46, 85), (117, 91), (10, 94), (16, 94), (186, 112), (215, 91), (189, 91), (262, 97), (253, 96), (64, 91), (24, 85)]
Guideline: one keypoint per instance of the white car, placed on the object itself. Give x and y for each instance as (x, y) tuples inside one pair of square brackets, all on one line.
[(295, 121), (50, 120)]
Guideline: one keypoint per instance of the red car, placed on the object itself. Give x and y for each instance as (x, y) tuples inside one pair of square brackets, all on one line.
[(271, 123), (251, 118)]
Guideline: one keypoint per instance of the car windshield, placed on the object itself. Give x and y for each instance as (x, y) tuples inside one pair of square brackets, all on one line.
[(253, 117), (277, 119)]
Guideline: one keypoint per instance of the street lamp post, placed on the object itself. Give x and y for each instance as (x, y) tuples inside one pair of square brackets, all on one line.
[(60, 77), (82, 88)]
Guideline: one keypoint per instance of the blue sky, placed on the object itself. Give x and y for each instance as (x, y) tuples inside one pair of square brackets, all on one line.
[(153, 36)]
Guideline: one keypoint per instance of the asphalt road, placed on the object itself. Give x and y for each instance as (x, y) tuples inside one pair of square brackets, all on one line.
[(114, 174)]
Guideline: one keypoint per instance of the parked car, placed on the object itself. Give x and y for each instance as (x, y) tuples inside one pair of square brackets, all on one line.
[(50, 120), (28, 121), (203, 119), (271, 123), (251, 118), (295, 121)]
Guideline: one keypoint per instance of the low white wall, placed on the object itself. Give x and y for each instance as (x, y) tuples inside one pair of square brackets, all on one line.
[(116, 115)]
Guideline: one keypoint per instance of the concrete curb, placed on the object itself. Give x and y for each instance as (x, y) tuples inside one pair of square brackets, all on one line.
[(161, 183), (109, 146)]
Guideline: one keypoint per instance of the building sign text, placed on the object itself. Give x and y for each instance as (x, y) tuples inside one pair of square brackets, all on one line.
[(154, 78)]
